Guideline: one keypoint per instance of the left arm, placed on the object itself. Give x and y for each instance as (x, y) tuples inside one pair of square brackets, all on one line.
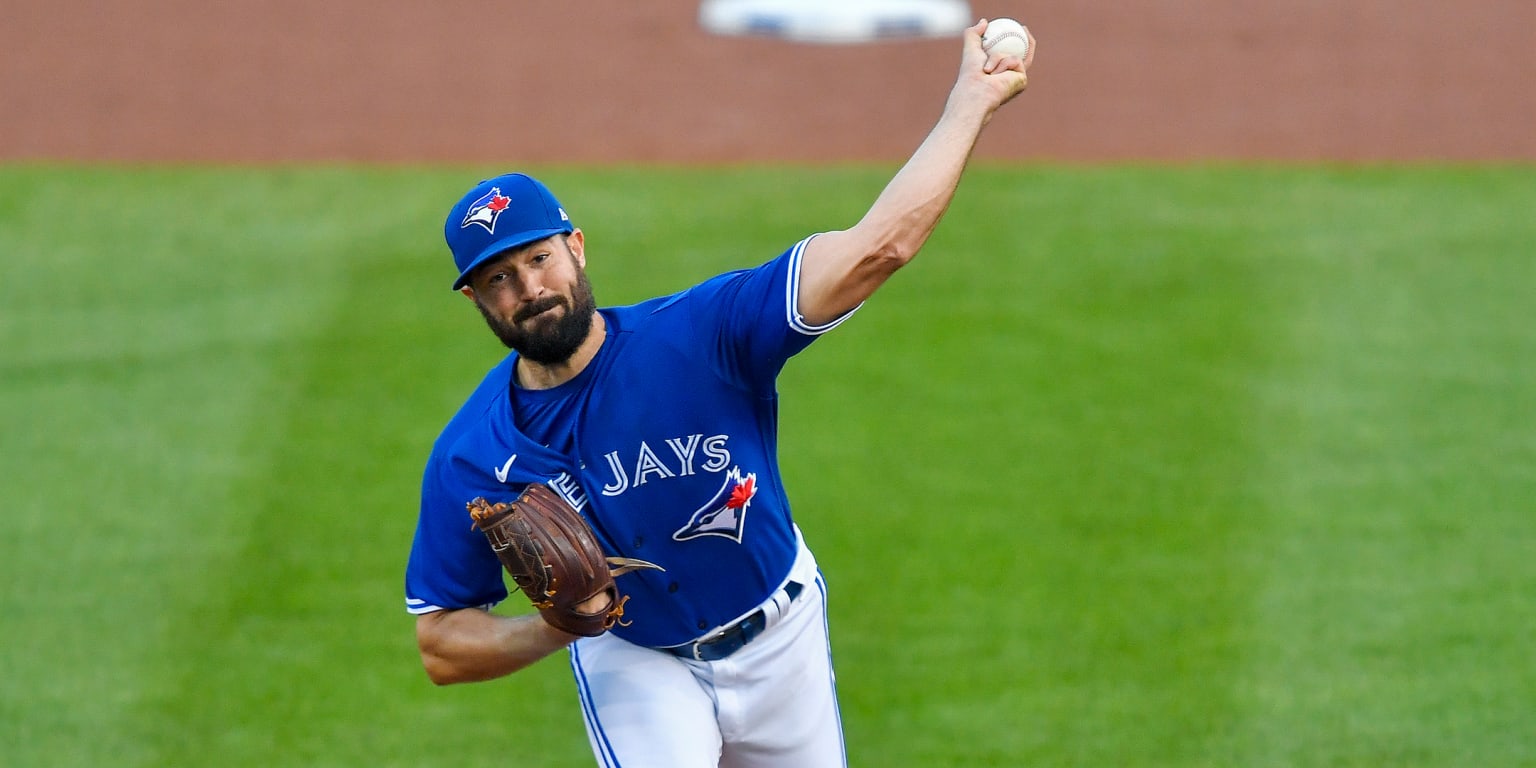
[(841, 269)]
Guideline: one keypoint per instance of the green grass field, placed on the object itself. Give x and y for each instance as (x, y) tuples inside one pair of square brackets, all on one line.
[(1229, 466)]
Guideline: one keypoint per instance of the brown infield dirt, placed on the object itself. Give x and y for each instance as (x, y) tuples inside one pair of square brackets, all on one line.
[(640, 82)]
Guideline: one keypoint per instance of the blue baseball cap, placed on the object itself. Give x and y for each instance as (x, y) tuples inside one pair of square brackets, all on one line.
[(500, 214)]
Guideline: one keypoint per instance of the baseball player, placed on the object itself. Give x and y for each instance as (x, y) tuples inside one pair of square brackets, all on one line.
[(657, 423)]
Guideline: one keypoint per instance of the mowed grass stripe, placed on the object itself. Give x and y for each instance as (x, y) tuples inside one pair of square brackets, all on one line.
[(144, 313), (1395, 626)]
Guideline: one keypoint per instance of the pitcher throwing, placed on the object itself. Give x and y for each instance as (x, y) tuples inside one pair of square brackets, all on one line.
[(655, 424)]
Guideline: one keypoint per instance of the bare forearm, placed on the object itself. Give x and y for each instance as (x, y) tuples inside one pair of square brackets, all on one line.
[(910, 206), (471, 645), (841, 269)]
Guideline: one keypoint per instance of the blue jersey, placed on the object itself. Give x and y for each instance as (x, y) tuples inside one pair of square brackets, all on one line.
[(667, 441)]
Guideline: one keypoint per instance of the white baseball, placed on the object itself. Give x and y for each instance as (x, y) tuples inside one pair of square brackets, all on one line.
[(1005, 37)]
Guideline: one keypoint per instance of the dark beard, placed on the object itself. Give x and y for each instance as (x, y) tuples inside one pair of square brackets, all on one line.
[(548, 341)]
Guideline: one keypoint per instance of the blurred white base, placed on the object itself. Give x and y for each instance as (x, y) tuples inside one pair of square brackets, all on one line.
[(836, 21)]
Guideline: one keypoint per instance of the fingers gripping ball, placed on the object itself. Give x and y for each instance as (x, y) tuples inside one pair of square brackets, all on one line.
[(554, 558), (1006, 37)]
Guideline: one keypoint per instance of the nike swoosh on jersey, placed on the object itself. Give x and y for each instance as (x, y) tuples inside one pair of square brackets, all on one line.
[(501, 474)]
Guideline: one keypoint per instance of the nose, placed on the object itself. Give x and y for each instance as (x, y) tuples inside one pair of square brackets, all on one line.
[(529, 287)]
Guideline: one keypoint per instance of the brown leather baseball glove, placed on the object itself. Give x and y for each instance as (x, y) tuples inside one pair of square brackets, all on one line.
[(552, 555)]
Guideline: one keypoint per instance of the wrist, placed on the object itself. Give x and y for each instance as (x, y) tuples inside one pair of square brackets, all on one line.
[(967, 112), (551, 636)]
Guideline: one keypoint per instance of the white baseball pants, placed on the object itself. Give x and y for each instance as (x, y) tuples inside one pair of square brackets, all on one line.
[(771, 704)]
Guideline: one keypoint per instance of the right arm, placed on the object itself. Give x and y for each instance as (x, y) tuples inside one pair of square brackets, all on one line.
[(471, 644), (841, 269)]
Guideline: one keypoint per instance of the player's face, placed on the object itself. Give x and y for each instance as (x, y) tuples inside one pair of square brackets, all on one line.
[(537, 299)]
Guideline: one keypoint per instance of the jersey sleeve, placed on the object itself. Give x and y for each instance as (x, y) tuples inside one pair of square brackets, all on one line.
[(450, 565), (752, 317)]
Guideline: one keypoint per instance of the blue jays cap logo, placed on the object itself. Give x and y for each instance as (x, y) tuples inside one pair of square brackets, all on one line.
[(486, 210), (726, 513)]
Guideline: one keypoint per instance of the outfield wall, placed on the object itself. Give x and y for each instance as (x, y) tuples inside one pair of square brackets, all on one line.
[(628, 82)]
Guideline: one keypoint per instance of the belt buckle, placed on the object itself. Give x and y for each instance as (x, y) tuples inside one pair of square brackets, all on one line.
[(729, 640), (696, 648)]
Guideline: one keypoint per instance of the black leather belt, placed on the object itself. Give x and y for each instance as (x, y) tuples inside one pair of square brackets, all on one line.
[(731, 639)]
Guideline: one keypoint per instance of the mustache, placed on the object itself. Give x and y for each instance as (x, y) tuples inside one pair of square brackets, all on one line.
[(537, 307)]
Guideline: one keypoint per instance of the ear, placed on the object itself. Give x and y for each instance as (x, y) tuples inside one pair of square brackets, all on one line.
[(577, 242), (469, 293)]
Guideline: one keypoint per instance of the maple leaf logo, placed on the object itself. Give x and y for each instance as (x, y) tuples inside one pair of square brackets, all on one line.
[(742, 494)]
